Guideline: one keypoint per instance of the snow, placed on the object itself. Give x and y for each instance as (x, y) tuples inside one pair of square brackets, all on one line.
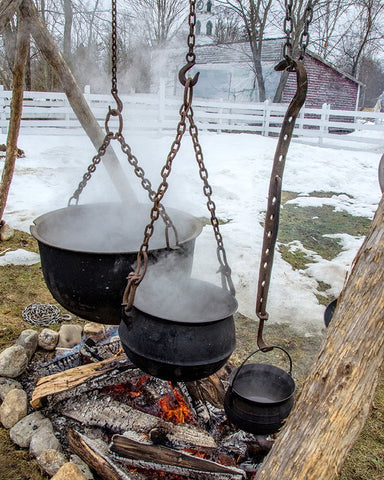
[(239, 167)]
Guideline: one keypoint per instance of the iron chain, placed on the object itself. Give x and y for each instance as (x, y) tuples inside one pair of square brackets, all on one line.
[(185, 112), (43, 314), (288, 29)]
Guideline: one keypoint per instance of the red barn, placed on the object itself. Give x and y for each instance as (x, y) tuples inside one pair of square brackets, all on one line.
[(326, 84)]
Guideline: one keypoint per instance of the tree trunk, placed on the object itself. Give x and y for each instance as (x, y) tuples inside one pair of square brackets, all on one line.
[(52, 54), (280, 87), (22, 52), (338, 393), (8, 8)]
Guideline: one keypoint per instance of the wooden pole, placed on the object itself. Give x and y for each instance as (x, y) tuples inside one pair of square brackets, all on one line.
[(336, 398), (52, 54), (22, 52), (8, 8)]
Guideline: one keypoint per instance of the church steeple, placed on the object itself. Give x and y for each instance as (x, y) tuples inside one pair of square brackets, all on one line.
[(205, 17)]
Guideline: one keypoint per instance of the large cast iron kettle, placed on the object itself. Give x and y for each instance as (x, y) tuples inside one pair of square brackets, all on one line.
[(260, 396), (179, 329), (87, 251)]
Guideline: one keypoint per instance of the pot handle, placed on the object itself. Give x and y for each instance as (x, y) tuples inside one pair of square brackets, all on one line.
[(263, 349)]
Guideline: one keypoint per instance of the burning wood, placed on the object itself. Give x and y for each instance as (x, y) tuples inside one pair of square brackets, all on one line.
[(71, 378), (150, 456)]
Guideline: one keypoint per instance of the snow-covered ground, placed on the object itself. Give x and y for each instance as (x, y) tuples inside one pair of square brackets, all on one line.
[(239, 167)]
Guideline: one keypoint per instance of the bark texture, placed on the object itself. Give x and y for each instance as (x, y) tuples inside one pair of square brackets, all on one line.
[(22, 52), (52, 54), (338, 393), (8, 8)]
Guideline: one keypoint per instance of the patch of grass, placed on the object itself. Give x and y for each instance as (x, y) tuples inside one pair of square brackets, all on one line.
[(321, 194), (310, 224), (16, 464), (366, 458), (298, 259), (20, 285), (20, 240)]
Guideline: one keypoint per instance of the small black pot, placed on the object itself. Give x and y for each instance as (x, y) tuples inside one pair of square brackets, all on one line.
[(260, 396), (186, 334)]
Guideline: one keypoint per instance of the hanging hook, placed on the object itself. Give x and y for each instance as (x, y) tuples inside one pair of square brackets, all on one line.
[(116, 111), (184, 70)]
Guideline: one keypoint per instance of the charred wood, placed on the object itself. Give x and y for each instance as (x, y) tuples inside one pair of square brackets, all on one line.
[(151, 456), (95, 453), (117, 418), (69, 379)]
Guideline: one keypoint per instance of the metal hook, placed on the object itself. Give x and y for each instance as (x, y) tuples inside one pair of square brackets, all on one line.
[(184, 70), (116, 111)]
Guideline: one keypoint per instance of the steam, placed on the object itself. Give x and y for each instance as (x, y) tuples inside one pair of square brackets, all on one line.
[(168, 292), (109, 228)]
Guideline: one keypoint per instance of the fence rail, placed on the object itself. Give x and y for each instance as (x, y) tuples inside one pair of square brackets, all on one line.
[(45, 112)]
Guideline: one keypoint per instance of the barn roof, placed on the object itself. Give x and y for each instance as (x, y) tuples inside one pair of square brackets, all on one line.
[(240, 52)]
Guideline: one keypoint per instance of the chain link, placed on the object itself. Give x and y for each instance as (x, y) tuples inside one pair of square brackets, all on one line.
[(114, 46), (288, 29), (186, 112), (43, 314)]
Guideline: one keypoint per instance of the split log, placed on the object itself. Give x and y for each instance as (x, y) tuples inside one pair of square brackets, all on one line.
[(95, 454), (117, 417), (151, 456), (22, 52), (8, 8), (69, 379), (337, 395), (53, 56)]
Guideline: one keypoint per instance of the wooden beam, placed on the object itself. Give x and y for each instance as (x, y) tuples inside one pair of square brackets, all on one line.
[(8, 8), (22, 52), (53, 56), (337, 395)]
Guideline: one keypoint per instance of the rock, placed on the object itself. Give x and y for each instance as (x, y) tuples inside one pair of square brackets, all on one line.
[(93, 330), (22, 432), (28, 340), (69, 336), (44, 439), (6, 385), (51, 461), (13, 408), (83, 467), (69, 471), (13, 361), (6, 232), (48, 339)]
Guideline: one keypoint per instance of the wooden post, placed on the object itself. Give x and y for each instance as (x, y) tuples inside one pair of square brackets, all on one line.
[(8, 8), (52, 54), (22, 52), (338, 393)]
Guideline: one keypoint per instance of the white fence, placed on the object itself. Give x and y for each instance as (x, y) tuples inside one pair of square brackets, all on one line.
[(45, 112)]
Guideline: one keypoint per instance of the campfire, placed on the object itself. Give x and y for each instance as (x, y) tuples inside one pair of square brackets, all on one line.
[(126, 424)]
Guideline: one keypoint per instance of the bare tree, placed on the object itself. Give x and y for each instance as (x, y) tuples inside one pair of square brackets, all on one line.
[(158, 20), (364, 35), (254, 15), (327, 27)]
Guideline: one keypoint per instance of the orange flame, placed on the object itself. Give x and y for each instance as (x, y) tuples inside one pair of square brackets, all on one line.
[(175, 409)]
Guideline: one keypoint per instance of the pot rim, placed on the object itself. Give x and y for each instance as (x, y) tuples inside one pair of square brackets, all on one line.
[(34, 229), (153, 312), (287, 377)]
